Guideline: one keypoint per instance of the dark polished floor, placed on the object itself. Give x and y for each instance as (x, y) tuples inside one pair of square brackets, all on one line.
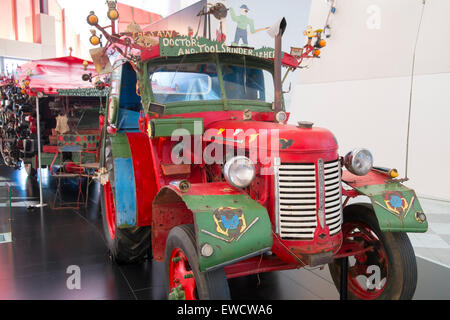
[(46, 242)]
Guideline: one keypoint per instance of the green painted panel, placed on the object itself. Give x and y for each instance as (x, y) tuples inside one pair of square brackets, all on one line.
[(166, 127), (236, 226), (205, 106), (120, 146), (396, 206)]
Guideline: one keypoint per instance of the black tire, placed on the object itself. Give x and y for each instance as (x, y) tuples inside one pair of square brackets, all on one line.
[(130, 245), (211, 285), (401, 281)]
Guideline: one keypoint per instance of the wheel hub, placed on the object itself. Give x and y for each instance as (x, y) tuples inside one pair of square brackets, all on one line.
[(367, 275), (181, 277)]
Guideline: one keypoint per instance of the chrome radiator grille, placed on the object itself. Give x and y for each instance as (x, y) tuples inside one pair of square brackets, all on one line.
[(296, 204)]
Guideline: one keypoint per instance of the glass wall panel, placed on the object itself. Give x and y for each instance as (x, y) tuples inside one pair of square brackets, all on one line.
[(24, 21), (55, 10), (6, 20)]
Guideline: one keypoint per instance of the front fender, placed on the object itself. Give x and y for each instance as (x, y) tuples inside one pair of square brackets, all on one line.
[(397, 207), (227, 219)]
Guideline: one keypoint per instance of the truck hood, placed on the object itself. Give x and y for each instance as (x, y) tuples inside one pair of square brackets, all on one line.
[(271, 136)]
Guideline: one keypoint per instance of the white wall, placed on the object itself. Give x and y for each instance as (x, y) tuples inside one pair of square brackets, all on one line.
[(360, 87)]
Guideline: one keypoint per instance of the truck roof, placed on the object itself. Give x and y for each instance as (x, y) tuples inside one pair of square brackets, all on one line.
[(174, 47)]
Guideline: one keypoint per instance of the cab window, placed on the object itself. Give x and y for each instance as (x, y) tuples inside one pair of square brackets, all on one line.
[(185, 82)]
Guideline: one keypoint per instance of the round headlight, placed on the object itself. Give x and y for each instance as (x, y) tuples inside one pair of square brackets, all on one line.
[(239, 171), (359, 162)]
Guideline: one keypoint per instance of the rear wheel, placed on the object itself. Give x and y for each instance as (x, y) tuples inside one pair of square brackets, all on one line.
[(183, 277), (387, 270), (130, 245)]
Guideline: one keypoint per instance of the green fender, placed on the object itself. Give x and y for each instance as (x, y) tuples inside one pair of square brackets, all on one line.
[(397, 207), (124, 186), (234, 225)]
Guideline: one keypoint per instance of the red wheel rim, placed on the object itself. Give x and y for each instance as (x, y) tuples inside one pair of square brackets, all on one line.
[(110, 210), (366, 264), (181, 274)]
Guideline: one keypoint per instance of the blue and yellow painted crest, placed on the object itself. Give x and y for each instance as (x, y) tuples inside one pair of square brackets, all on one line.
[(230, 222), (396, 203)]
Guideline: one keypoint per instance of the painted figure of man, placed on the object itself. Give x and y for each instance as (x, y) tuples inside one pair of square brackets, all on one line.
[(243, 22)]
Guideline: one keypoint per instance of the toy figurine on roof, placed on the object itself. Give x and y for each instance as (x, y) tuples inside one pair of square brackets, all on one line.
[(310, 50)]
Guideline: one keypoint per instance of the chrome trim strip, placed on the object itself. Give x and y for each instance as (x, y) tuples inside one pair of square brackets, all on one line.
[(276, 169), (321, 192)]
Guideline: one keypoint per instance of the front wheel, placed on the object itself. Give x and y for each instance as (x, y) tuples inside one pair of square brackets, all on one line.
[(184, 281), (386, 270)]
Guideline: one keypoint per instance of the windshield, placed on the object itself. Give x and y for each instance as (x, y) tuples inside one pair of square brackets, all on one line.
[(185, 82), (200, 82), (243, 83)]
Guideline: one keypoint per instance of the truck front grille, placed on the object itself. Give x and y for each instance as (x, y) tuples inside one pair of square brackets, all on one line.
[(296, 205)]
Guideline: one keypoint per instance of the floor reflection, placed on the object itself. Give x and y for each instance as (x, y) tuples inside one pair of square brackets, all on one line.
[(46, 242)]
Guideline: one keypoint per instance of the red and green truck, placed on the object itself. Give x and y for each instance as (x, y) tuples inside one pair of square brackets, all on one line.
[(200, 167)]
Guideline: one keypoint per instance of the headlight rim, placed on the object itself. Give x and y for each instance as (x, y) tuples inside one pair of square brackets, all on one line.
[(349, 161), (227, 167)]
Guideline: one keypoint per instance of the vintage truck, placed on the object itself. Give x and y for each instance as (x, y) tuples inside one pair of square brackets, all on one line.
[(69, 110), (200, 167)]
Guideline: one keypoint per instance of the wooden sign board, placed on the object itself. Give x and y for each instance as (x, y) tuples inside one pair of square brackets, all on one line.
[(180, 46)]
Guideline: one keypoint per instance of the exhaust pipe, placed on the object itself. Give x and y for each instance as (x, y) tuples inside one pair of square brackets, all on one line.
[(276, 32)]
